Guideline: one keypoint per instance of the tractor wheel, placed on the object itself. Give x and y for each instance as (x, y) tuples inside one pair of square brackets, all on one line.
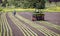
[(33, 19), (42, 17)]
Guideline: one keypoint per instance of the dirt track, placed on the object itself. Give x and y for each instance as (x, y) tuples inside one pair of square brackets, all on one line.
[(53, 17)]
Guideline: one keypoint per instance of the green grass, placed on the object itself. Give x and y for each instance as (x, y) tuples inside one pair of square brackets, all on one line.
[(52, 9), (49, 9), (17, 9)]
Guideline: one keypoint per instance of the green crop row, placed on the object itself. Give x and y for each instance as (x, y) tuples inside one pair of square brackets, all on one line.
[(0, 25), (50, 24), (42, 29), (8, 27), (5, 28), (25, 30)]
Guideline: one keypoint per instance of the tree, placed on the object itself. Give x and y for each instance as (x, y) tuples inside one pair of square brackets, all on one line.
[(24, 3), (4, 3), (0, 1), (54, 1), (40, 4)]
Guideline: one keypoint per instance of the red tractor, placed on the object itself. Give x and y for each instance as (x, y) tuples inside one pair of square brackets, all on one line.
[(37, 16), (38, 5)]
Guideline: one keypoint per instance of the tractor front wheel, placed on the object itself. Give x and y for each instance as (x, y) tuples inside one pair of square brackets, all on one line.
[(33, 19)]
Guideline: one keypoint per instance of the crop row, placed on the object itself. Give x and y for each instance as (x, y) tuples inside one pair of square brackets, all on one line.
[(7, 31), (25, 30), (50, 24), (5, 28), (40, 28), (0, 25)]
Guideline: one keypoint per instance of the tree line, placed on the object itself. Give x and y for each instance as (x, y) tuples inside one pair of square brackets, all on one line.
[(25, 3)]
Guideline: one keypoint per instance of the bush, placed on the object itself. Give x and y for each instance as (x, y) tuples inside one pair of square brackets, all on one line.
[(0, 9)]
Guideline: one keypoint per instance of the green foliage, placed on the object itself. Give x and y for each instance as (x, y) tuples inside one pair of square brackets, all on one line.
[(41, 4), (0, 9), (21, 3)]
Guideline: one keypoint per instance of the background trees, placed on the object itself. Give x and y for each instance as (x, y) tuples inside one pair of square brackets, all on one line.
[(25, 3)]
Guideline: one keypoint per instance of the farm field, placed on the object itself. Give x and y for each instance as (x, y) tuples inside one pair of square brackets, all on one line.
[(22, 25), (29, 18)]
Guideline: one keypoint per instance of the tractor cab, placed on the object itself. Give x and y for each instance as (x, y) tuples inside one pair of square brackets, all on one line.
[(37, 16)]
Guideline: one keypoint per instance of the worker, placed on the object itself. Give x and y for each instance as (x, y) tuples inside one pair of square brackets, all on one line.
[(14, 12)]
